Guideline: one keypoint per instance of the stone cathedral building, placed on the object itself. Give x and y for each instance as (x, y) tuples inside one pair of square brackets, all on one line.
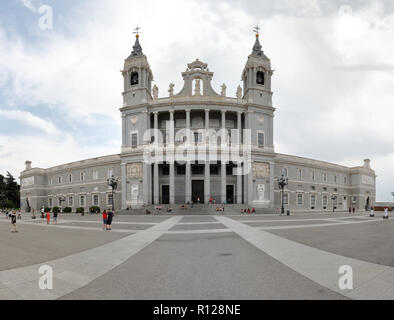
[(186, 147)]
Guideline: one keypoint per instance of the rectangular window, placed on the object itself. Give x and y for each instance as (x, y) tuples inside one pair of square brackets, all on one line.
[(95, 200), (82, 176), (345, 180), (165, 170), (70, 178), (110, 199), (313, 175), (300, 199), (325, 177), (335, 201), (214, 169), (197, 137), (285, 199), (260, 138), (198, 170), (181, 170), (285, 172), (70, 201), (325, 201), (299, 174), (313, 200), (134, 140), (110, 173), (60, 180), (82, 201), (95, 174), (50, 202), (335, 179)]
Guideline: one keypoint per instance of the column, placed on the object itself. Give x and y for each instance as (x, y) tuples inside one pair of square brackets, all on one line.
[(207, 182), (188, 183), (145, 182), (239, 127), (172, 182), (188, 126), (124, 186), (171, 160), (223, 180), (156, 186), (207, 171), (124, 130), (239, 184)]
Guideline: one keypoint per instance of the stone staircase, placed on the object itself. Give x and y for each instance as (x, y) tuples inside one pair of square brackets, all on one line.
[(197, 209)]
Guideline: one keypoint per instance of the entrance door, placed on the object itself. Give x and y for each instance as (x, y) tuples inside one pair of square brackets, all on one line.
[(165, 195), (198, 190), (230, 194)]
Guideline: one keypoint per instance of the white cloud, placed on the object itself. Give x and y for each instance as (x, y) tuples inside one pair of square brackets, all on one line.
[(28, 119), (29, 5)]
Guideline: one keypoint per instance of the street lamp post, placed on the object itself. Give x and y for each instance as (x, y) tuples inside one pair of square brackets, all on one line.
[(282, 182), (333, 204), (113, 183), (61, 200)]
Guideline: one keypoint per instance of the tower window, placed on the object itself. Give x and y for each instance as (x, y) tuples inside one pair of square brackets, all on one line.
[(134, 78), (260, 77)]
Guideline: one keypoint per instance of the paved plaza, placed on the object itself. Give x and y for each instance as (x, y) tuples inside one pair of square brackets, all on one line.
[(199, 257)]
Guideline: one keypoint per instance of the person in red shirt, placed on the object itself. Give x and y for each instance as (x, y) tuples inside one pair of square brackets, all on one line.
[(48, 217), (105, 217)]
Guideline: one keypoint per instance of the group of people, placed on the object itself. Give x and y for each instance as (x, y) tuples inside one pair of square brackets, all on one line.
[(385, 214), (107, 219), (248, 211)]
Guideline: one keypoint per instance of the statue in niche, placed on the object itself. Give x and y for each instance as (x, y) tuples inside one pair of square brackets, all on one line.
[(197, 90), (171, 89), (239, 92), (224, 87), (261, 192), (155, 92)]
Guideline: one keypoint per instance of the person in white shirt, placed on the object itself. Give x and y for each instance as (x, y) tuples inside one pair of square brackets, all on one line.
[(372, 214), (386, 213)]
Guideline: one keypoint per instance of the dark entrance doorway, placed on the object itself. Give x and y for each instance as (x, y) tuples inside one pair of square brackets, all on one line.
[(198, 190), (165, 195), (230, 194)]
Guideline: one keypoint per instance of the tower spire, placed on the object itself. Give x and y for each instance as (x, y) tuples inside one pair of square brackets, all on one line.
[(257, 46), (137, 49)]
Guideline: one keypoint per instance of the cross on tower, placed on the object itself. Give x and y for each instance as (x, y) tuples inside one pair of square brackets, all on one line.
[(137, 31), (257, 30)]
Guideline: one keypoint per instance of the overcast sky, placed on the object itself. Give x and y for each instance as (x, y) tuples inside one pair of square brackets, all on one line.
[(60, 89)]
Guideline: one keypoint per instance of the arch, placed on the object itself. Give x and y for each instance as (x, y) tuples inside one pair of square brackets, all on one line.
[(134, 78), (260, 77)]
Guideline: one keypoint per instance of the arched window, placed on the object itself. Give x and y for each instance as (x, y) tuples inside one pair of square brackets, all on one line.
[(260, 77), (134, 78)]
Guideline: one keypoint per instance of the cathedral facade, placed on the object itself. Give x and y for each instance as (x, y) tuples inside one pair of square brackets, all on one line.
[(199, 146)]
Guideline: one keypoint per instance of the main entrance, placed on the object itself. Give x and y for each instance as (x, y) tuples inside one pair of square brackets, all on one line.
[(198, 190), (230, 194), (165, 195)]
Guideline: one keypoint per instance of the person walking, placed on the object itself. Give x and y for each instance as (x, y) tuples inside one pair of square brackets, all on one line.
[(109, 219), (55, 213), (13, 222), (372, 213), (386, 213), (354, 210), (48, 217), (105, 216)]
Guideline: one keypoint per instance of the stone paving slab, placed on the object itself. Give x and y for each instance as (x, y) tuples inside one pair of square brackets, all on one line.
[(320, 266), (90, 264), (115, 226), (198, 227), (287, 223), (372, 242), (36, 244), (217, 266), (198, 219)]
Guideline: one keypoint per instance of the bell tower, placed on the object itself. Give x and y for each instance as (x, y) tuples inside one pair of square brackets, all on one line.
[(137, 76), (256, 76)]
